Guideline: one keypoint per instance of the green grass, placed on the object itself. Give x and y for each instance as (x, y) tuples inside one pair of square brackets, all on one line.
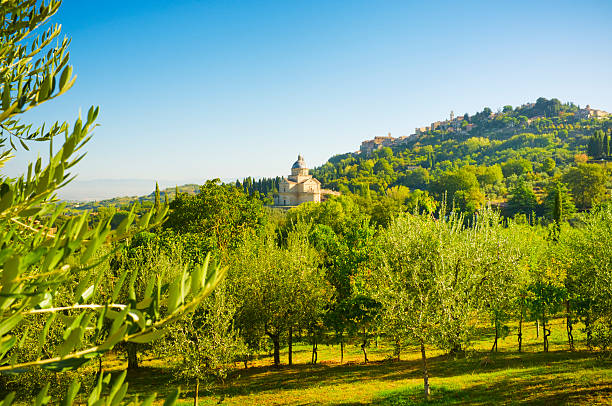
[(554, 378), (480, 378)]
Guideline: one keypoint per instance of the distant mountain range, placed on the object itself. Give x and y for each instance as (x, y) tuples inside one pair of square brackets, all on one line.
[(129, 200), (98, 190)]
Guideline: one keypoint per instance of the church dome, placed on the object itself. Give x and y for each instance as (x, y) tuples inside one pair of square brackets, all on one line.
[(299, 164)]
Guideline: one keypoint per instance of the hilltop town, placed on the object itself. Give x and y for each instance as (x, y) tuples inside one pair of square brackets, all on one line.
[(461, 125)]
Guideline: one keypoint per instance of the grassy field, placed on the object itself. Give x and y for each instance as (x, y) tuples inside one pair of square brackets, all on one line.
[(480, 378)]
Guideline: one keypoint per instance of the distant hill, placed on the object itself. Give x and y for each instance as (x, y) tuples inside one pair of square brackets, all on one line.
[(125, 201), (103, 189), (536, 142)]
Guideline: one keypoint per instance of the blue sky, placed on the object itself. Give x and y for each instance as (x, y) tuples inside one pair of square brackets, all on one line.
[(191, 90)]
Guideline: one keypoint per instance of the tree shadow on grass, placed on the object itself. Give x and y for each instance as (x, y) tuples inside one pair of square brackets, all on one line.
[(507, 391), (146, 380), (526, 372), (303, 376)]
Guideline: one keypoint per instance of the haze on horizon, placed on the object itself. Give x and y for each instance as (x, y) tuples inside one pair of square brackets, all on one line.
[(194, 90)]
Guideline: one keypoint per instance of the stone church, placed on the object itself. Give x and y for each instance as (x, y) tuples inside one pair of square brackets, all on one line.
[(299, 187)]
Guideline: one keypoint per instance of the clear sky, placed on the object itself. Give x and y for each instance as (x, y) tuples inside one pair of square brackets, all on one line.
[(192, 90)]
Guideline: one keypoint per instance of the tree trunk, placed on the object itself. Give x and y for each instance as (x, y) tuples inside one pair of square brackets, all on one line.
[(341, 349), (365, 354), (398, 349), (537, 328), (494, 348), (196, 392), (520, 332), (589, 332), (425, 372), (276, 342), (363, 346), (569, 326), (544, 335), (314, 350), (545, 331), (290, 345), (132, 353)]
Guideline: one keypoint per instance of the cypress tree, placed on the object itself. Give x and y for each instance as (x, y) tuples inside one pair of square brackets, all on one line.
[(157, 203), (558, 212), (591, 149), (247, 185), (606, 146), (599, 144), (430, 162)]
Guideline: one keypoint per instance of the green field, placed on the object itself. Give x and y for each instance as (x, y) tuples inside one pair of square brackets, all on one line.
[(479, 378)]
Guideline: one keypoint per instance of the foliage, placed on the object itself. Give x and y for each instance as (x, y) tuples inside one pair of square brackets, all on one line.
[(341, 213), (352, 312), (218, 215), (516, 167), (417, 178), (422, 285), (205, 344), (523, 200), (558, 190), (586, 253), (536, 142), (277, 287), (377, 261), (460, 188), (587, 183), (66, 326), (599, 145)]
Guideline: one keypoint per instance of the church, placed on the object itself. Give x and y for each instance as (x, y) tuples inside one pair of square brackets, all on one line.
[(299, 187)]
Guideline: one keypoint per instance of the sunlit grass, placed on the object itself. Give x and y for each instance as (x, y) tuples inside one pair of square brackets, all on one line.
[(479, 378)]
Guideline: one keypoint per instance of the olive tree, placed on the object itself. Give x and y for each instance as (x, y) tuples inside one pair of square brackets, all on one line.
[(205, 344), (499, 257), (434, 277), (277, 288), (586, 255), (423, 284)]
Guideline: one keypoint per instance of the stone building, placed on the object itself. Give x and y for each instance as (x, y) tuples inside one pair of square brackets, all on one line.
[(377, 143), (369, 146), (591, 113), (299, 187)]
